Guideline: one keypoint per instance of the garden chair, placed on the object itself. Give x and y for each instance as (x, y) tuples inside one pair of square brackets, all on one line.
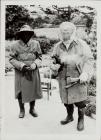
[(46, 82)]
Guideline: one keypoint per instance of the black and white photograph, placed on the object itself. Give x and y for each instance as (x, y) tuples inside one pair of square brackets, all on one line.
[(50, 70)]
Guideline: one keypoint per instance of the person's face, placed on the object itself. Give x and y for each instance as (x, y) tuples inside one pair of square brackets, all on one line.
[(66, 34)]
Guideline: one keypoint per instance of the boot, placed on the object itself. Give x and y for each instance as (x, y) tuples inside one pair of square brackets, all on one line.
[(69, 118), (22, 109), (80, 125), (32, 110)]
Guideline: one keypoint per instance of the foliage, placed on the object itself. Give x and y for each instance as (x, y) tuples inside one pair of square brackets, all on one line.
[(46, 44), (56, 21), (79, 19), (90, 109), (92, 42), (38, 22), (16, 16), (72, 14), (92, 87)]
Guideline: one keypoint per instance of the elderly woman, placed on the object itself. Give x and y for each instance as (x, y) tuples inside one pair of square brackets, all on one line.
[(73, 61), (25, 56)]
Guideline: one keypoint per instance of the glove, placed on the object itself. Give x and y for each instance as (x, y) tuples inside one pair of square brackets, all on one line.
[(25, 68), (27, 72), (83, 78)]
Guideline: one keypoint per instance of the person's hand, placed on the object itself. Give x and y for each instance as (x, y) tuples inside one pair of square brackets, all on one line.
[(33, 66), (55, 67), (83, 78), (26, 68), (27, 72)]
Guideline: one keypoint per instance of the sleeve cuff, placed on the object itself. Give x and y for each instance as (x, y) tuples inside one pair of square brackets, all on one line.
[(22, 66)]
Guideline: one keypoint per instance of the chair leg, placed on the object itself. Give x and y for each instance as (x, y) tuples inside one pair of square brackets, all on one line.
[(48, 90)]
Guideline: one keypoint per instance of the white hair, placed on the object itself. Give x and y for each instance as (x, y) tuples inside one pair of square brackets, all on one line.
[(66, 26)]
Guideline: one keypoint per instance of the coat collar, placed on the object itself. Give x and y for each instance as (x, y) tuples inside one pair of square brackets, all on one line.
[(72, 44)]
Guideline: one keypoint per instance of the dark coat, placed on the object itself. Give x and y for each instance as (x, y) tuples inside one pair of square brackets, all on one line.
[(25, 54), (73, 67)]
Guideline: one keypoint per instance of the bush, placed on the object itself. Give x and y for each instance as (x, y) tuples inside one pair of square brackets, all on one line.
[(91, 101), (93, 43), (56, 21), (90, 109), (46, 44), (54, 41)]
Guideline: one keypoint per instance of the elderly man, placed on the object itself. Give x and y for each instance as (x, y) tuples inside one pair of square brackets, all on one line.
[(73, 61), (25, 56)]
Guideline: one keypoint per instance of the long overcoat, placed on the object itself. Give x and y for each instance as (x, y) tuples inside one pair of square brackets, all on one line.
[(72, 62), (25, 54)]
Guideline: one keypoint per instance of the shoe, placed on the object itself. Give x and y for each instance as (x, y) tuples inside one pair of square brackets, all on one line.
[(67, 120), (33, 113), (22, 109), (22, 114), (80, 124), (32, 110)]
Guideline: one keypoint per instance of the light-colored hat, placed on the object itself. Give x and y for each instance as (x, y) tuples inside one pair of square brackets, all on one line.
[(25, 28)]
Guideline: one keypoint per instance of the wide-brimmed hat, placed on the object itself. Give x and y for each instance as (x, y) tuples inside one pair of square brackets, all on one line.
[(25, 28)]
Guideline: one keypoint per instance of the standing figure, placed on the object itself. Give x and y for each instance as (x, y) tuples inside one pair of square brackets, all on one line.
[(25, 56), (73, 61)]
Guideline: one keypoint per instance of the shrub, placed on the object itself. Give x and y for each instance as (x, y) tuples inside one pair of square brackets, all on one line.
[(54, 41), (90, 109), (46, 44)]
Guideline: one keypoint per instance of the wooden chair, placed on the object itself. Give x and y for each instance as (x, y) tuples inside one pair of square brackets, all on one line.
[(46, 83)]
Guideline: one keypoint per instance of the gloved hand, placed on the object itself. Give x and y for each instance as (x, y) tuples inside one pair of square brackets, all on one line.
[(27, 72), (26, 68), (83, 78)]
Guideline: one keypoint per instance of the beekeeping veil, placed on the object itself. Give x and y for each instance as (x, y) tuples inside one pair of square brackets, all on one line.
[(25, 33)]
